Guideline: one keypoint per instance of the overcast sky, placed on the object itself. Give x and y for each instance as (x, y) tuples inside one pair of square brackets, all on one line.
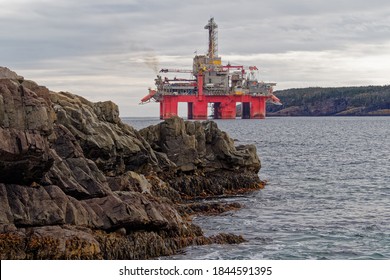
[(110, 49)]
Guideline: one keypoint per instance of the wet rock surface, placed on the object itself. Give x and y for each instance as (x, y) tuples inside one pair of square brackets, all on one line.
[(77, 183)]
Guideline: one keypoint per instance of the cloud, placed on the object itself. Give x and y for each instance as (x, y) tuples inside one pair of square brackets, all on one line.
[(111, 49)]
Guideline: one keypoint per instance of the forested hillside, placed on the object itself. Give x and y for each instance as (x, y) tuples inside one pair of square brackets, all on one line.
[(341, 101)]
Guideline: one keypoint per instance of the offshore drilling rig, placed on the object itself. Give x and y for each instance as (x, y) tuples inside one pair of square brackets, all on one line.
[(210, 82)]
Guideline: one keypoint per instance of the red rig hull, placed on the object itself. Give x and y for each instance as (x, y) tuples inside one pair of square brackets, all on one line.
[(223, 107)]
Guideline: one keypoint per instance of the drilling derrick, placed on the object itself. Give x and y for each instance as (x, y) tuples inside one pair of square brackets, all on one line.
[(223, 86), (213, 38)]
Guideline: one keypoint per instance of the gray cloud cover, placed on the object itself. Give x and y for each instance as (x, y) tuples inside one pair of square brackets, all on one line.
[(104, 49)]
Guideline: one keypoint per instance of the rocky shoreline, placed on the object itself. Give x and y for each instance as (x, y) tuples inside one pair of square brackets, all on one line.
[(78, 183)]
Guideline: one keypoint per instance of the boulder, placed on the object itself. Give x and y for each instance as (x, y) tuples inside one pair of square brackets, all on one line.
[(206, 160), (200, 145)]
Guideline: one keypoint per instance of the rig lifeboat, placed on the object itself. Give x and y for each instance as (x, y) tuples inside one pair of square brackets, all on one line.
[(275, 100)]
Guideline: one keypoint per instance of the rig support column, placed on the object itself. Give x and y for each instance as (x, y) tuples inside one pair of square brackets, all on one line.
[(228, 110), (161, 110), (258, 107), (169, 108), (199, 110)]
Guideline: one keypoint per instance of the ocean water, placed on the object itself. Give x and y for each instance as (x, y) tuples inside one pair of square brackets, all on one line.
[(328, 191)]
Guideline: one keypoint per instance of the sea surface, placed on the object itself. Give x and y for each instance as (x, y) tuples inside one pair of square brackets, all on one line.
[(328, 191)]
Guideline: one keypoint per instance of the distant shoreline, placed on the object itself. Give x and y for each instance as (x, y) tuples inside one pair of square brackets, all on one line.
[(341, 101)]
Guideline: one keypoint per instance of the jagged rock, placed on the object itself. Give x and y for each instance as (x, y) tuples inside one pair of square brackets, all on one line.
[(6, 215), (77, 183), (196, 145), (112, 145), (130, 181), (24, 125), (22, 109), (6, 73), (205, 208), (75, 174), (33, 206), (207, 162), (50, 242), (24, 156)]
